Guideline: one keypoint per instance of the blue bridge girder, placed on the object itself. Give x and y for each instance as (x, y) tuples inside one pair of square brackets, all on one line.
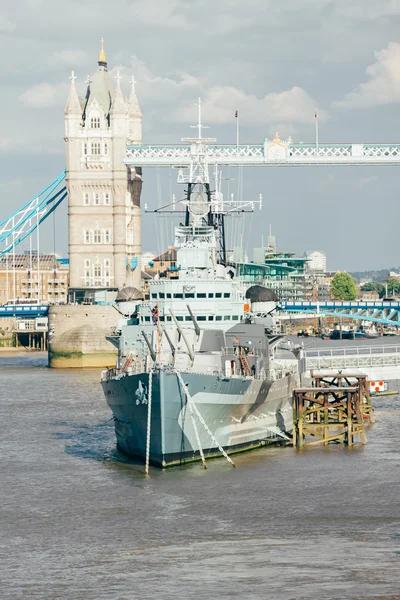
[(376, 311), (24, 221), (26, 311)]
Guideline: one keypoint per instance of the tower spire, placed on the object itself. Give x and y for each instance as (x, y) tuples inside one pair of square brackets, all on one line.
[(118, 103), (73, 105), (133, 104), (102, 57)]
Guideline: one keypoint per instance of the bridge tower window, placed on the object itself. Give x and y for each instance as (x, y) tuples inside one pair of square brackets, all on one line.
[(95, 147), (95, 122)]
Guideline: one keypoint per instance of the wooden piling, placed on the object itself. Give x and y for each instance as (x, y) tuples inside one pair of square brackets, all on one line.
[(328, 413)]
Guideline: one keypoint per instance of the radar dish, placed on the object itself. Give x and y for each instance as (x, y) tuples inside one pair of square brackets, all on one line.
[(198, 204)]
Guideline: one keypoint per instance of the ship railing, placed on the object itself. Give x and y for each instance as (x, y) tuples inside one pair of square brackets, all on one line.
[(229, 350), (108, 374)]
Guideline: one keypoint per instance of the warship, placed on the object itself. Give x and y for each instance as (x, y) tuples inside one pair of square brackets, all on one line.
[(199, 372)]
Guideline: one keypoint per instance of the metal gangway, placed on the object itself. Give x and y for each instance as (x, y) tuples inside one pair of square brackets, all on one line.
[(350, 357)]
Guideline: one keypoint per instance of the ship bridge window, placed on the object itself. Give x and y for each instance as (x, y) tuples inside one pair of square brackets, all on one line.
[(211, 295), (227, 295), (179, 318), (211, 318), (218, 295), (235, 318), (188, 318), (202, 295), (178, 295), (162, 319), (218, 318), (169, 318), (161, 295), (168, 295), (154, 296), (227, 317), (201, 318), (189, 295), (147, 319)]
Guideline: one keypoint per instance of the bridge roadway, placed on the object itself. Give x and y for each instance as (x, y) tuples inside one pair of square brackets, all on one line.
[(377, 311)]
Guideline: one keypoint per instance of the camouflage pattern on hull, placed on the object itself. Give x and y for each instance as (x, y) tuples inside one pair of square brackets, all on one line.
[(241, 413)]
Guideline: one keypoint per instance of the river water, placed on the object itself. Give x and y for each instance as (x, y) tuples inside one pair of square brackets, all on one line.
[(80, 522)]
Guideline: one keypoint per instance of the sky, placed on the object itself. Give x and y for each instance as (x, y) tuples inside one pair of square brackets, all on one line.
[(273, 61)]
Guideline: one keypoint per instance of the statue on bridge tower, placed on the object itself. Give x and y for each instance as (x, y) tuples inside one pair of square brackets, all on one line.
[(103, 193)]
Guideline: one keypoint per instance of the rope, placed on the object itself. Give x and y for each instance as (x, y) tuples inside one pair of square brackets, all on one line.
[(148, 422), (202, 421), (203, 460)]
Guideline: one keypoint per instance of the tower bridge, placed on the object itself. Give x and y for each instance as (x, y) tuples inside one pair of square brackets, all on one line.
[(102, 181)]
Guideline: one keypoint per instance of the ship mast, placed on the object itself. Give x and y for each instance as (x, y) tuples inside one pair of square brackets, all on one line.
[(198, 191)]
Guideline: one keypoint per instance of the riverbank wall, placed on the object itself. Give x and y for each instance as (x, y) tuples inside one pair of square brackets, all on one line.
[(77, 336)]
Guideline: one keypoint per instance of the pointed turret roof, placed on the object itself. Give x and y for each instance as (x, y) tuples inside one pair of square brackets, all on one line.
[(99, 85), (133, 104), (73, 106), (118, 103)]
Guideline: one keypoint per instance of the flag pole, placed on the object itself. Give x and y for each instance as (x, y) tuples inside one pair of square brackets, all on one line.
[(237, 128), (316, 131)]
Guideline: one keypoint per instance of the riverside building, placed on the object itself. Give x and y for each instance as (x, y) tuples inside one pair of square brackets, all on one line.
[(29, 277)]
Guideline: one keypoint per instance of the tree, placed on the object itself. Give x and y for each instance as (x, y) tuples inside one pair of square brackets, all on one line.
[(393, 286), (374, 286), (343, 287)]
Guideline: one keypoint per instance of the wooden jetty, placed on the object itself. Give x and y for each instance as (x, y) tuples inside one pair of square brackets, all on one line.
[(360, 380), (334, 409)]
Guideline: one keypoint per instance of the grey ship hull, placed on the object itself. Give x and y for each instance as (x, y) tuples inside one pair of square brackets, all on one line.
[(242, 413)]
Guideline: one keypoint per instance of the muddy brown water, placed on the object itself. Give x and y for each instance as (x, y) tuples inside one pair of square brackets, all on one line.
[(79, 521)]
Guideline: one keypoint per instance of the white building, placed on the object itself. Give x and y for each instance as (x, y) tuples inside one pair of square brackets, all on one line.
[(103, 193), (316, 261), (147, 257)]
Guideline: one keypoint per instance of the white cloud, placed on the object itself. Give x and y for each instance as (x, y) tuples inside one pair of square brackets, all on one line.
[(293, 106), (383, 85), (44, 95), (6, 26), (71, 58), (168, 14)]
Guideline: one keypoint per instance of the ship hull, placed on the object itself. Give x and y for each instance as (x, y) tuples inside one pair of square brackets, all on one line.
[(242, 413)]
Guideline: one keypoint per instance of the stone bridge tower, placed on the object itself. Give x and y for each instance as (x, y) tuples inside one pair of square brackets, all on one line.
[(103, 193)]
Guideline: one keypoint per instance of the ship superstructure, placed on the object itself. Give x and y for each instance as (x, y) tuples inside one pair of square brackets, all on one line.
[(196, 375)]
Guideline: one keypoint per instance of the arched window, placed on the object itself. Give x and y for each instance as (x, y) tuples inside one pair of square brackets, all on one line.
[(85, 148), (97, 270), (107, 198), (97, 198), (107, 236), (86, 236), (105, 148), (95, 122), (86, 200), (97, 236)]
